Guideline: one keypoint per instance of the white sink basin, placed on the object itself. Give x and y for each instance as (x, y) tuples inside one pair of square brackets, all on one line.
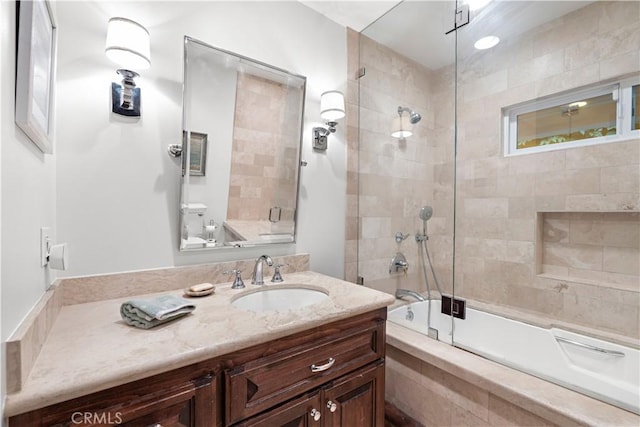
[(279, 298)]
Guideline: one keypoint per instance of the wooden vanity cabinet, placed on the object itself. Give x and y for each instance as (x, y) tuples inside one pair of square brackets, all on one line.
[(357, 399), (343, 370), (328, 376), (166, 400)]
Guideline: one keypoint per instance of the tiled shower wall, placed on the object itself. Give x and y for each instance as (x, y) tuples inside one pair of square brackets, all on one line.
[(502, 258), (389, 180), (254, 165), (500, 199), (592, 247)]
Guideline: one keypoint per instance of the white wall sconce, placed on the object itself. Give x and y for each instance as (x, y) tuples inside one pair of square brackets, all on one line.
[(128, 45), (331, 109), (402, 126)]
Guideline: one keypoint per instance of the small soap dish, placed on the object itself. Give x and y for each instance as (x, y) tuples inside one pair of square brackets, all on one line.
[(200, 290)]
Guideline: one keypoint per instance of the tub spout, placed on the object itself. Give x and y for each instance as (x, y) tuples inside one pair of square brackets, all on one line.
[(401, 293)]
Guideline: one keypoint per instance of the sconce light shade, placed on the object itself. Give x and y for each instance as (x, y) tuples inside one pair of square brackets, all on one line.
[(332, 105), (128, 44), (331, 109), (401, 127)]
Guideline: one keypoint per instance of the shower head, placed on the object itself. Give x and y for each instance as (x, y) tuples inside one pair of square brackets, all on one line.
[(413, 116), (426, 213)]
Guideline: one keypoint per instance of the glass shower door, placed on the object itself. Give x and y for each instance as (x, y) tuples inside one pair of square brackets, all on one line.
[(403, 167)]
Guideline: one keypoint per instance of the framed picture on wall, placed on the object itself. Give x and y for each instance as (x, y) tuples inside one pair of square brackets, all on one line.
[(35, 72), (197, 153)]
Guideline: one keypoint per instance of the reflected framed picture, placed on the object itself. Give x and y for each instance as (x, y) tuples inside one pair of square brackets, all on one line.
[(197, 153), (35, 72)]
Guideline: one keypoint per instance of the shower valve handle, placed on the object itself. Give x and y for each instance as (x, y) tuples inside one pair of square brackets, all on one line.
[(400, 237), (398, 262)]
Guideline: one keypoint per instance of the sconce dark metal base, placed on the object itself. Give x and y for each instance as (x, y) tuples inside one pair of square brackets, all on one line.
[(125, 109)]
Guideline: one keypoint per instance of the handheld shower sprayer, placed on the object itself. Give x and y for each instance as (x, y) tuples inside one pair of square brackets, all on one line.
[(426, 212)]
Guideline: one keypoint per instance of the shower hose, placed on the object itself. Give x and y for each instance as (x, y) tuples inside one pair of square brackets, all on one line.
[(421, 239)]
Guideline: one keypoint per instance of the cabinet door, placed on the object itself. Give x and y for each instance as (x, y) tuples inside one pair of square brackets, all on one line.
[(188, 409), (186, 404), (302, 412), (356, 399), (179, 415)]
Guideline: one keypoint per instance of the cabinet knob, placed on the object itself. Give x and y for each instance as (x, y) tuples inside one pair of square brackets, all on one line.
[(315, 414), (332, 406)]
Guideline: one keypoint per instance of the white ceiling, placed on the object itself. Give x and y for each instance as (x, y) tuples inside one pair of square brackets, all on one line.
[(416, 28), (356, 14)]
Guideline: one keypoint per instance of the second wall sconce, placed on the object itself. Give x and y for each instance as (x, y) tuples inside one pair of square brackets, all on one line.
[(128, 45), (331, 109)]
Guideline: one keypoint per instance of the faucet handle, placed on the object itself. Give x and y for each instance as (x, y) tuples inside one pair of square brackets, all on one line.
[(277, 277), (398, 262), (237, 282)]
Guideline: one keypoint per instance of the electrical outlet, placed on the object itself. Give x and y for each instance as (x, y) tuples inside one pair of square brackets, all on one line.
[(45, 241)]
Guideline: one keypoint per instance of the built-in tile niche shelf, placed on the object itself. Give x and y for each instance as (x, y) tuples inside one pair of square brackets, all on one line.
[(590, 247)]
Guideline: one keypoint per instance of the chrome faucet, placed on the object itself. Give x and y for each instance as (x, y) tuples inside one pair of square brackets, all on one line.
[(257, 278), (400, 293)]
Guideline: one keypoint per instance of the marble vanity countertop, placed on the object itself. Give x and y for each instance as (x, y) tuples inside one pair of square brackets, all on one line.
[(252, 231), (90, 348)]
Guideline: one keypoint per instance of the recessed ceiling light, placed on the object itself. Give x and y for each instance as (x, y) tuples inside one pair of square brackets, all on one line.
[(486, 42)]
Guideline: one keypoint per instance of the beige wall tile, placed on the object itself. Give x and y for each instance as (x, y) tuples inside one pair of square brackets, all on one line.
[(620, 179), (486, 207), (503, 413), (621, 260), (596, 230), (585, 257)]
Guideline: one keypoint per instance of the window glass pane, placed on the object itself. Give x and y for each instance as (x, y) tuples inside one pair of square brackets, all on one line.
[(635, 107), (588, 118)]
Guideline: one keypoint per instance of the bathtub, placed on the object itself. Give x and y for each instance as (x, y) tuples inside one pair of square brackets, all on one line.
[(597, 368)]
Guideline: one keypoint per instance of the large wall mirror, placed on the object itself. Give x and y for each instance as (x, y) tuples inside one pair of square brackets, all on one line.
[(242, 132)]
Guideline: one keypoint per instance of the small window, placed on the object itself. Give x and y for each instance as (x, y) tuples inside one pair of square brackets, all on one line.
[(583, 117)]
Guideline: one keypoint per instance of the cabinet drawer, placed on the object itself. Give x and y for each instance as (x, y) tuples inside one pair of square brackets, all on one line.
[(265, 382)]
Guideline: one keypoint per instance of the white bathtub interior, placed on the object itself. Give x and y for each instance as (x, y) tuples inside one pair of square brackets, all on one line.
[(607, 371)]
